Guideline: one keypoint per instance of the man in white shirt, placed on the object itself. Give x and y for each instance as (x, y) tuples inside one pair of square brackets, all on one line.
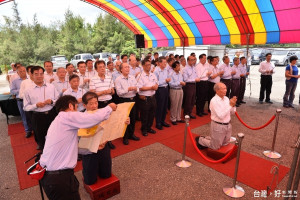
[(266, 68), (221, 108), (203, 72), (61, 147), (49, 75)]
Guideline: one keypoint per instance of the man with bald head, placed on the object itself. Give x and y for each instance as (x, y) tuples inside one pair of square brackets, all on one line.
[(221, 107)]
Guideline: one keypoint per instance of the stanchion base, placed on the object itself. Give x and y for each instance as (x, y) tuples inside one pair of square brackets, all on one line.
[(235, 192), (232, 139), (183, 163), (272, 154)]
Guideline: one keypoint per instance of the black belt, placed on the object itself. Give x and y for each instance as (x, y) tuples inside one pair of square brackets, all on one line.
[(221, 123), (175, 88), (235, 79), (149, 97), (62, 171), (191, 83), (129, 98), (163, 87), (104, 101), (44, 113), (222, 79), (18, 99)]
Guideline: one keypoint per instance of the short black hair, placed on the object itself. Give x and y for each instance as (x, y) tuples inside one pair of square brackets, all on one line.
[(62, 104), (80, 62), (181, 56), (99, 62), (88, 61), (225, 57), (73, 76), (292, 58), (155, 53), (88, 96), (192, 54), (67, 65), (28, 68), (48, 61), (174, 65), (242, 58), (36, 68), (170, 60), (161, 58), (123, 56), (209, 58), (176, 56), (109, 62), (202, 55), (268, 54), (144, 61)]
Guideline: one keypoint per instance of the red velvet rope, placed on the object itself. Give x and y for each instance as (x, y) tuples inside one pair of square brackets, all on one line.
[(256, 128), (207, 159)]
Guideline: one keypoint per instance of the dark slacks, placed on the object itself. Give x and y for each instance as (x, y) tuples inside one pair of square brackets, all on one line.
[(189, 98), (40, 124), (103, 104), (265, 85), (201, 95), (211, 92), (289, 94), (227, 82), (28, 115), (235, 88), (148, 107), (96, 164), (242, 89), (130, 128), (61, 186), (162, 96)]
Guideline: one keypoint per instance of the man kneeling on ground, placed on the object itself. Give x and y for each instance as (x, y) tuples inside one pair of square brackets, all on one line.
[(61, 147), (220, 128)]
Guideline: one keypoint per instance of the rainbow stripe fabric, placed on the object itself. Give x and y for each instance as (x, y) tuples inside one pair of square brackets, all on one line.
[(195, 22)]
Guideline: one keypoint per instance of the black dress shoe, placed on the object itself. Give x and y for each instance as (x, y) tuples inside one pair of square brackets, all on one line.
[(174, 123), (200, 114), (159, 127), (144, 133), (135, 138), (237, 105), (111, 145), (270, 102), (243, 101), (125, 141), (199, 145), (291, 106), (151, 131), (28, 134), (261, 102), (192, 117), (165, 124), (286, 106), (204, 113)]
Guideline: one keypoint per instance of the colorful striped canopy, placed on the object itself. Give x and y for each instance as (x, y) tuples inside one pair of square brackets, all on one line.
[(195, 22)]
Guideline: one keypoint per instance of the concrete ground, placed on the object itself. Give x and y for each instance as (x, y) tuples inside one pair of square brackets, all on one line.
[(150, 173)]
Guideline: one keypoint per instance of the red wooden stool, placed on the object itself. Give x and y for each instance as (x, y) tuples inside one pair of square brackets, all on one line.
[(220, 153), (103, 188)]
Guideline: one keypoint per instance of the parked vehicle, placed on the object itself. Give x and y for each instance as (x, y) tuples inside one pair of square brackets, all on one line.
[(101, 56), (262, 55), (114, 56), (297, 53), (81, 57), (59, 61), (255, 60), (281, 56)]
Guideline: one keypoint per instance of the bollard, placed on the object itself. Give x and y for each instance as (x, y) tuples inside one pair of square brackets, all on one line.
[(293, 170), (271, 153), (184, 163), (236, 191)]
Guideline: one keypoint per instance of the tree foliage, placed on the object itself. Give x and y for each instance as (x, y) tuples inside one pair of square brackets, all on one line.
[(33, 43)]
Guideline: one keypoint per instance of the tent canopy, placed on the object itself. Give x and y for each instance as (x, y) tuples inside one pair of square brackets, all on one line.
[(194, 22)]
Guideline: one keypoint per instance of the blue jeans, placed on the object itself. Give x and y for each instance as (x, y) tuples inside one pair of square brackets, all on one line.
[(289, 95), (20, 106)]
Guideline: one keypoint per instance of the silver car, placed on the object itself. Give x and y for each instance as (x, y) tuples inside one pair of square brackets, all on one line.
[(59, 61), (81, 57)]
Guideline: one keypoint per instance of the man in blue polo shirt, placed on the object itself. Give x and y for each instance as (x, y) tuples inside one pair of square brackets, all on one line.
[(291, 74)]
